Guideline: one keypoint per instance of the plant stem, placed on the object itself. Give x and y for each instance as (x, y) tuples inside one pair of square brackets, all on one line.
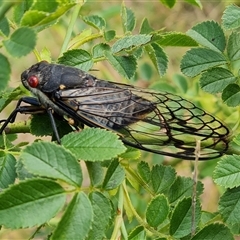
[(6, 6), (70, 28), (118, 220)]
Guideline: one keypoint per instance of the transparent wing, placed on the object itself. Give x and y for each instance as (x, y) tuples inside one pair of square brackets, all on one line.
[(158, 122)]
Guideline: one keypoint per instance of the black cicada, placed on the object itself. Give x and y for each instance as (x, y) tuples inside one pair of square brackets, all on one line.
[(157, 122)]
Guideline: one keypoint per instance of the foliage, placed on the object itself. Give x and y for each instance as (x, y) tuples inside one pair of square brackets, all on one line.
[(50, 176)]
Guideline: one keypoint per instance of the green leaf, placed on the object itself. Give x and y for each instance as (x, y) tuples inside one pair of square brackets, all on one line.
[(181, 221), (102, 210), (227, 172), (41, 125), (5, 72), (183, 188), (21, 42), (144, 171), (168, 3), (130, 41), (45, 55), (32, 18), (233, 47), (200, 59), (109, 35), (128, 19), (10, 94), (158, 57), (99, 50), (231, 17), (114, 176), (131, 153), (174, 39), (77, 219), (95, 172), (209, 34), (22, 172), (95, 21), (231, 95), (146, 71), (93, 144), (194, 2), (137, 233), (18, 11), (157, 211), (145, 27), (4, 27), (229, 206), (7, 170), (214, 231), (77, 58), (125, 65), (216, 79), (30, 203), (50, 160), (181, 82), (41, 18), (163, 87), (162, 177), (41, 6)]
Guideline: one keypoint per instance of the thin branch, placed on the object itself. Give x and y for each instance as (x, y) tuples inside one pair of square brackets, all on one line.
[(194, 194)]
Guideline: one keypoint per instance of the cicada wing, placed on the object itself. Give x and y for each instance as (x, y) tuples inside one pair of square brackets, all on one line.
[(158, 122)]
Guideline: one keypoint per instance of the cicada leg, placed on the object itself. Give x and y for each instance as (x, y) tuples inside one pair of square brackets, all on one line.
[(34, 108)]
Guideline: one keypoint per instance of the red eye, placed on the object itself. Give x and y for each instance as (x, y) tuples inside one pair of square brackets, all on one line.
[(33, 81)]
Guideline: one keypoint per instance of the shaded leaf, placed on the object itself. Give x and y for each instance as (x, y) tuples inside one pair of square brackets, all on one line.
[(114, 176)]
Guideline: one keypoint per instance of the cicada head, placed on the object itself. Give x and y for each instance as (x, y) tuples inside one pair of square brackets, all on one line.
[(37, 76)]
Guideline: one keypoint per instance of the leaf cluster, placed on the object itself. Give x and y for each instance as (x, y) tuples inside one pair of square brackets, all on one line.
[(50, 194)]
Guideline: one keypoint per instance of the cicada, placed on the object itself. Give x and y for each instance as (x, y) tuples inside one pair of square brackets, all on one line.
[(158, 122)]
